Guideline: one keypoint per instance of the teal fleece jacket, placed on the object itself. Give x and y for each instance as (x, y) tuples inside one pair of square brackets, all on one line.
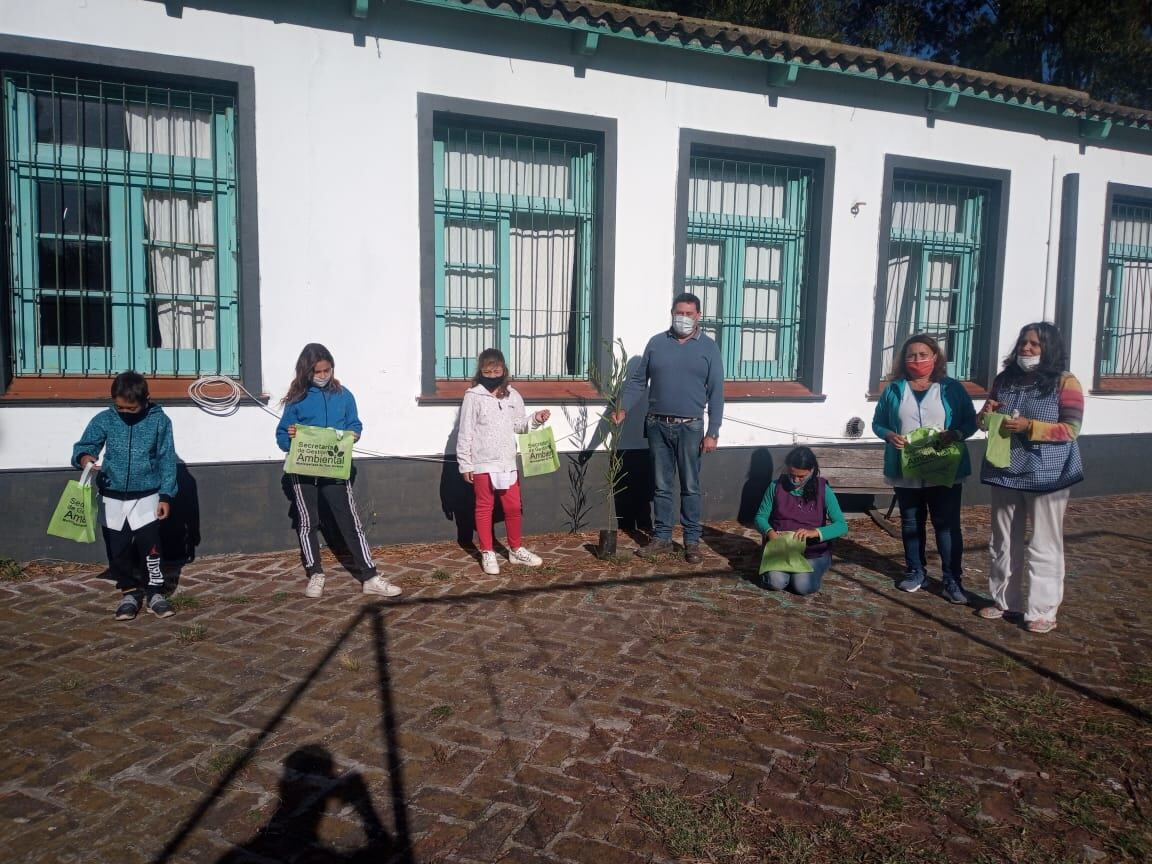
[(959, 416), (139, 458)]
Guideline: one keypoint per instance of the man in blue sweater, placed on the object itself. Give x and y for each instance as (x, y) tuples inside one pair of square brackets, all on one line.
[(684, 374)]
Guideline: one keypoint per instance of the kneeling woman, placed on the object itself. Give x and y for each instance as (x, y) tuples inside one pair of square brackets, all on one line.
[(801, 501)]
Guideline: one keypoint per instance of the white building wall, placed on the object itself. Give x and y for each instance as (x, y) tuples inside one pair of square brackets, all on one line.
[(339, 235)]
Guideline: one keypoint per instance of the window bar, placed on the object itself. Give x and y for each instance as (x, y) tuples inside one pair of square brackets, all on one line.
[(105, 251)]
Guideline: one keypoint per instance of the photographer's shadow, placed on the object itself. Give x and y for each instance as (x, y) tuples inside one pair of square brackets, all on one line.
[(309, 782)]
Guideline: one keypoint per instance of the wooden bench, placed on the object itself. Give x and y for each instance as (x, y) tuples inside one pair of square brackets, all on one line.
[(859, 471)]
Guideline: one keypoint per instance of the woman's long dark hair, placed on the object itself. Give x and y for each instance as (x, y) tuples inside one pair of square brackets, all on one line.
[(900, 370), (312, 354), (804, 459), (493, 355), (1053, 357)]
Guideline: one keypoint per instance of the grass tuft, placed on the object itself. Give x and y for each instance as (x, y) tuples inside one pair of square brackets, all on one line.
[(192, 634), (12, 571)]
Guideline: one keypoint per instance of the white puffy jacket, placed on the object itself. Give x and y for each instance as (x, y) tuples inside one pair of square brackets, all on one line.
[(488, 429)]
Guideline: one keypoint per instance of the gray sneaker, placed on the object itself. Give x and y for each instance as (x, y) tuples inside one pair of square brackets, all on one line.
[(129, 606), (159, 606), (911, 582), (655, 549)]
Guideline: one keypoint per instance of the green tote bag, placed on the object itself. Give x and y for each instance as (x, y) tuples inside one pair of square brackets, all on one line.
[(538, 452), (75, 514), (320, 452)]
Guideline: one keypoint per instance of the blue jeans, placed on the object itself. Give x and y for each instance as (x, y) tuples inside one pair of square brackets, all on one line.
[(940, 504), (675, 448), (801, 583)]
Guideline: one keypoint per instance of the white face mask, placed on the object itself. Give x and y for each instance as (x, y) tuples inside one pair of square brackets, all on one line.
[(683, 325), (1027, 364), (317, 381)]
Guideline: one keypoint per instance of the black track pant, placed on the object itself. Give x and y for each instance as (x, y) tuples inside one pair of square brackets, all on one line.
[(308, 495), (126, 547)]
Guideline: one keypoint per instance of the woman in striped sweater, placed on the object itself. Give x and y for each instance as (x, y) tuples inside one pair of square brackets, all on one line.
[(1045, 407)]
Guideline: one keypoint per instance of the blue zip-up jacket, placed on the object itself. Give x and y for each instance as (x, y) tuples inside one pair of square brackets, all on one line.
[(139, 459), (959, 416), (323, 407)]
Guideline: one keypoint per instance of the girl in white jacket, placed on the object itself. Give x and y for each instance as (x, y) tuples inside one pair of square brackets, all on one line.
[(490, 418)]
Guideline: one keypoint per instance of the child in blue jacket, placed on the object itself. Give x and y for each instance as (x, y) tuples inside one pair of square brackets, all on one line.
[(316, 398), (137, 481)]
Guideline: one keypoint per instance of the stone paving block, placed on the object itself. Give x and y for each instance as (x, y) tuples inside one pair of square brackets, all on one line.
[(526, 725)]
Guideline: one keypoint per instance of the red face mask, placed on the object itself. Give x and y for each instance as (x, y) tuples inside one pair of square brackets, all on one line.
[(919, 368)]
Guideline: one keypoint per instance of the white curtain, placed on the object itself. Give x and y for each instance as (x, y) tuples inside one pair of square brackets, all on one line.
[(899, 301), (544, 300), (470, 288), (169, 131), (1133, 342), (751, 198), (179, 276), (762, 294), (704, 277), (483, 166)]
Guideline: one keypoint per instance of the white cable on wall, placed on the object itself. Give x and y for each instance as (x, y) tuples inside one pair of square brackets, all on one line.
[(206, 393)]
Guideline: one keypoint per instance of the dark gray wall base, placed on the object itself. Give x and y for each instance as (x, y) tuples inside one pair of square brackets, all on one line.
[(241, 508)]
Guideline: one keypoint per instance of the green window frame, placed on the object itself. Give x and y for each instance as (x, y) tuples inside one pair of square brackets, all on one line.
[(935, 264), (1126, 319), (123, 239), (515, 215), (746, 255)]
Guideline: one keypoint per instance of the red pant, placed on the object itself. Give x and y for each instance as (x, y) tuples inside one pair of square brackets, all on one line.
[(485, 502)]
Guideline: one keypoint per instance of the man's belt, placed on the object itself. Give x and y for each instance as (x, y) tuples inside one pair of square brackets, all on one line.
[(669, 418)]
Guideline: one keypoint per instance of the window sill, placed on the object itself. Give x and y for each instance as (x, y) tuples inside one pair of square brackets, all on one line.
[(1115, 386), (769, 391), (452, 392), (61, 390)]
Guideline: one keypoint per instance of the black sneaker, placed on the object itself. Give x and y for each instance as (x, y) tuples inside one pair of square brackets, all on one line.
[(129, 606), (656, 549), (159, 606), (954, 593), (692, 553)]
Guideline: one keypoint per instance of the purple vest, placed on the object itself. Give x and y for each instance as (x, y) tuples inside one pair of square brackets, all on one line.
[(790, 512)]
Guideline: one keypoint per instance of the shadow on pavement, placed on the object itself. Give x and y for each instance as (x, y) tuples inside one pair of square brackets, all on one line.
[(397, 848), (310, 781)]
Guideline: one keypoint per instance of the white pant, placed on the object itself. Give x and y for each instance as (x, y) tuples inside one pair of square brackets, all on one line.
[(1028, 577)]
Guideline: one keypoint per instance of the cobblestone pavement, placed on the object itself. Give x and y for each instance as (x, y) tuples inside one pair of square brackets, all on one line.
[(586, 711)]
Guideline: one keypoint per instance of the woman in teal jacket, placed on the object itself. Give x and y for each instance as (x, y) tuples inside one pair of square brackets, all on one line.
[(919, 394)]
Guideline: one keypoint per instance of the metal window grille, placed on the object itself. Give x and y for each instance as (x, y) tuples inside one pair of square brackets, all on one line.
[(935, 261), (746, 259), (515, 250), (123, 208), (1126, 343)]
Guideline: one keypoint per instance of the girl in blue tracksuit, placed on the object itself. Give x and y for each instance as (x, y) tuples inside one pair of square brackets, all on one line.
[(316, 398), (137, 482)]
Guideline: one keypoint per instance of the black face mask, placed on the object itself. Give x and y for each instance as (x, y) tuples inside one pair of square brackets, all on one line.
[(133, 419), (491, 384)]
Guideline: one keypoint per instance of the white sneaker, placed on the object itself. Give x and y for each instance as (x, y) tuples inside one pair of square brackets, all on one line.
[(381, 587), (489, 563), (524, 557), (315, 587)]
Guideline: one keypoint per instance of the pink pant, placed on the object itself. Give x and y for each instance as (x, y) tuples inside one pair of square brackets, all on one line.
[(485, 502)]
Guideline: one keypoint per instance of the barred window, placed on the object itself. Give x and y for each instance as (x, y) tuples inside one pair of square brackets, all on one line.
[(515, 240), (124, 227), (935, 263), (746, 258), (1126, 320)]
